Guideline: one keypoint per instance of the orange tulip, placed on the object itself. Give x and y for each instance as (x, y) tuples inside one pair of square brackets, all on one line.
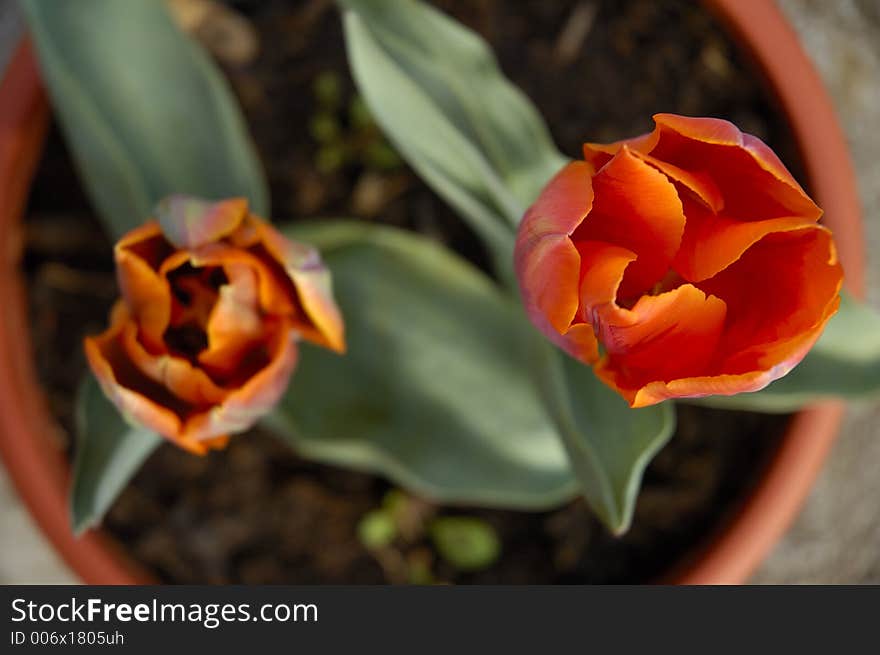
[(204, 339), (685, 262)]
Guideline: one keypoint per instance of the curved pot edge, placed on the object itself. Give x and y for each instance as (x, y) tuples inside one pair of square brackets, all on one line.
[(42, 476), (36, 466), (733, 554)]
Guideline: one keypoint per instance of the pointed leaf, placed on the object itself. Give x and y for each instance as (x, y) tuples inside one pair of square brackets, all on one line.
[(433, 391), (844, 363), (608, 443), (436, 89), (144, 110), (109, 452)]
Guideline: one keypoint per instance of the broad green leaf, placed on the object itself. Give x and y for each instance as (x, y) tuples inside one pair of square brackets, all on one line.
[(608, 443), (845, 362), (433, 391), (145, 111), (435, 88), (108, 453)]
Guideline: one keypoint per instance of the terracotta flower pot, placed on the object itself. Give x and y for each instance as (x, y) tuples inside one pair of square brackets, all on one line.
[(42, 474)]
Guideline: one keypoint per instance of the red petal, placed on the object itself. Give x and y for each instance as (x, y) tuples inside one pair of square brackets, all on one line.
[(636, 207), (602, 270), (547, 263), (672, 335), (752, 180), (711, 242), (549, 282), (780, 293)]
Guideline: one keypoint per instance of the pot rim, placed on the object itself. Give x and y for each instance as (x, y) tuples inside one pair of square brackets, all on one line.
[(42, 475)]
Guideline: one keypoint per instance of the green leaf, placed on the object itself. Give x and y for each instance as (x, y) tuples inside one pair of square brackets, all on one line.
[(433, 391), (469, 544), (435, 88), (108, 453), (608, 443), (144, 110), (844, 363)]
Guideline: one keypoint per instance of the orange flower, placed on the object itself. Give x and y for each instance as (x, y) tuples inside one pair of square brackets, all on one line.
[(685, 262), (203, 341)]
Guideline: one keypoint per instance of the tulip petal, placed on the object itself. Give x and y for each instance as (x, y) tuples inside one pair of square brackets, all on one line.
[(780, 293), (547, 262), (635, 207), (175, 374), (549, 275), (752, 179), (664, 337), (313, 285), (235, 323), (711, 242), (580, 342), (257, 395), (562, 205), (698, 182), (602, 270), (136, 396), (190, 223), (599, 154), (139, 255), (698, 387), (276, 292)]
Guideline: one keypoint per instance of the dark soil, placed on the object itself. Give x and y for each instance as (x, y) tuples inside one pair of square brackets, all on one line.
[(257, 513)]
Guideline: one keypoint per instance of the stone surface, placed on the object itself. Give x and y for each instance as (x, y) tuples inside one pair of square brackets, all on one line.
[(837, 537)]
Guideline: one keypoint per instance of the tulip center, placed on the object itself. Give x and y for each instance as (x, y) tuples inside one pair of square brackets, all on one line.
[(195, 291), (672, 280)]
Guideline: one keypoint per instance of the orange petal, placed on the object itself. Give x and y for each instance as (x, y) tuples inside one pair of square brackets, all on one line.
[(699, 182), (664, 337), (562, 205), (546, 261), (274, 292), (175, 374), (235, 323), (313, 284), (139, 255), (599, 154), (780, 293), (259, 394), (637, 208), (711, 243), (139, 399), (777, 361), (580, 342), (752, 180), (698, 387), (548, 276), (190, 222), (602, 270)]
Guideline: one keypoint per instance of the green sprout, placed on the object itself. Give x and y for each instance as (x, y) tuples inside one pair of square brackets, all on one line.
[(467, 543)]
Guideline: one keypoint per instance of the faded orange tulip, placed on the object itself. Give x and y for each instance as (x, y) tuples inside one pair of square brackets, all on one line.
[(204, 339), (685, 262)]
